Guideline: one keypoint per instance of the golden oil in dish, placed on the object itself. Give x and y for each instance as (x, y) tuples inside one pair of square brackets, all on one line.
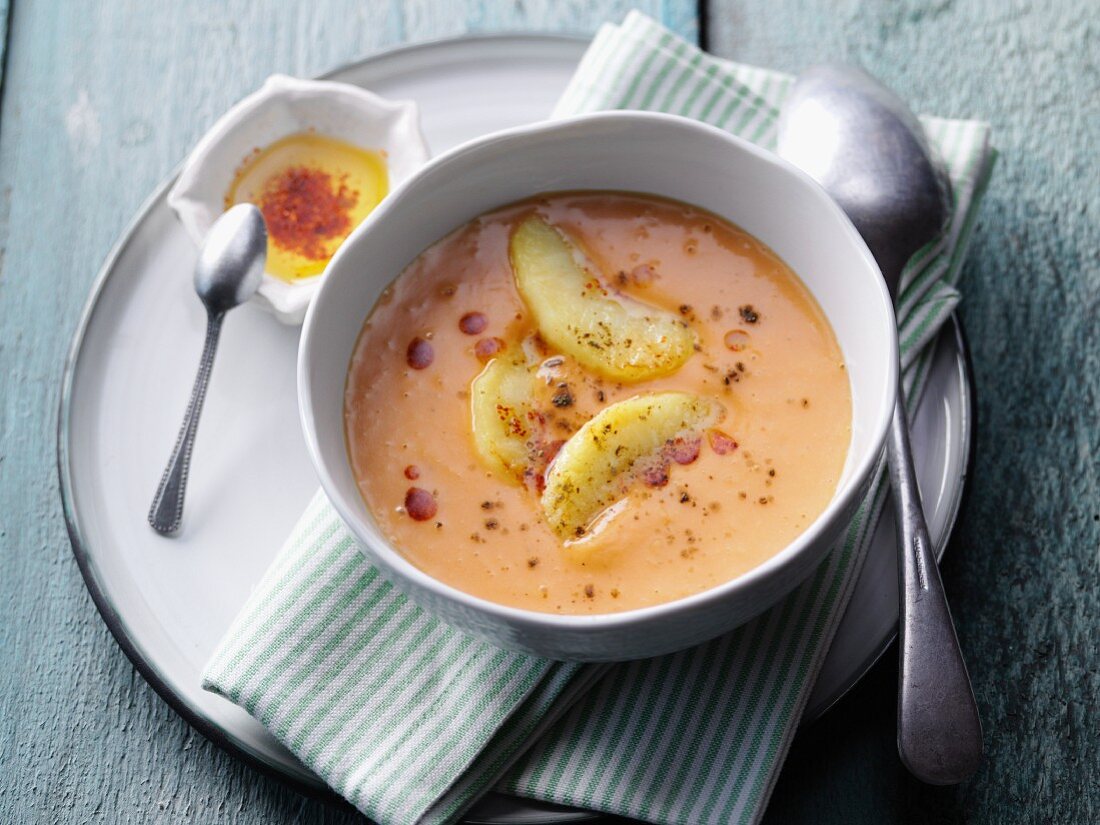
[(313, 191)]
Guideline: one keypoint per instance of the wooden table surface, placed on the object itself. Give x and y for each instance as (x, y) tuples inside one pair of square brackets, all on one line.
[(99, 102)]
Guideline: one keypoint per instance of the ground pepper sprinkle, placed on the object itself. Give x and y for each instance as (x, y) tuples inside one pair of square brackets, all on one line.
[(306, 208)]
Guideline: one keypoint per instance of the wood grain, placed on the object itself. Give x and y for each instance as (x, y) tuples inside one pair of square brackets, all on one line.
[(100, 101), (5, 8), (1023, 571)]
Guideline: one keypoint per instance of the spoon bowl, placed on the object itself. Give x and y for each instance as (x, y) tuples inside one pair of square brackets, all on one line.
[(231, 264), (870, 153)]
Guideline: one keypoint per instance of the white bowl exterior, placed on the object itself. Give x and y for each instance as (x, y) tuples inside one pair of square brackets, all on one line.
[(631, 151), (285, 106)]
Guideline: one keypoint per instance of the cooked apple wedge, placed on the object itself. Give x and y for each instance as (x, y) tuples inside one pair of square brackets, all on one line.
[(504, 418), (596, 465), (619, 338)]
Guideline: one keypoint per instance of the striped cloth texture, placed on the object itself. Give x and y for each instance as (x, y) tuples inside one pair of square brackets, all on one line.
[(411, 721)]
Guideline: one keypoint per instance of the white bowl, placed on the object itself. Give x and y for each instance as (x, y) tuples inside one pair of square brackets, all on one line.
[(635, 151), (285, 106)]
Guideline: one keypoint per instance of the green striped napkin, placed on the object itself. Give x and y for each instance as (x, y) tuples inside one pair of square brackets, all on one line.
[(411, 720)]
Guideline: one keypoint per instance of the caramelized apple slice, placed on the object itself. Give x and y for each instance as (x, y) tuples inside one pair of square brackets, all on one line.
[(619, 338), (596, 465), (505, 421)]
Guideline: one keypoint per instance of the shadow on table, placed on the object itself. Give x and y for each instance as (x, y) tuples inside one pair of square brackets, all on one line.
[(845, 767)]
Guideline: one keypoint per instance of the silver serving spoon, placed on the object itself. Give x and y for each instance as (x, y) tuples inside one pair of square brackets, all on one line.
[(869, 152), (229, 271)]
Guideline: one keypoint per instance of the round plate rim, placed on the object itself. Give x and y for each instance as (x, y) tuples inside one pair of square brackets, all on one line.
[(84, 559), (967, 427)]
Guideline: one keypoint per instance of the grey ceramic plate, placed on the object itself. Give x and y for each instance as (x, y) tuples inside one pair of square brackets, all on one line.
[(168, 602)]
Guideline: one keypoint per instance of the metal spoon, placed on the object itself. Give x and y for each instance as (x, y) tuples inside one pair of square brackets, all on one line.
[(229, 271), (869, 152)]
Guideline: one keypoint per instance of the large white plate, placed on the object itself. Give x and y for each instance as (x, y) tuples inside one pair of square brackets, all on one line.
[(168, 601)]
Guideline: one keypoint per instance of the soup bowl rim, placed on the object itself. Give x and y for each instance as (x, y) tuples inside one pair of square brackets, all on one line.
[(441, 597)]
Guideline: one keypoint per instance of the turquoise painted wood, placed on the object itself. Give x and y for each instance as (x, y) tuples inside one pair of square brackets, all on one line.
[(101, 100), (1023, 571), (4, 9)]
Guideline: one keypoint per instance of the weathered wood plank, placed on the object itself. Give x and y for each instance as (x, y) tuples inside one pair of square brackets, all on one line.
[(4, 9), (1023, 572), (101, 101)]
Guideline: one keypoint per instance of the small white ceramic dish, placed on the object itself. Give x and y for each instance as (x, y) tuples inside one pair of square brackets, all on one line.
[(285, 106), (636, 151)]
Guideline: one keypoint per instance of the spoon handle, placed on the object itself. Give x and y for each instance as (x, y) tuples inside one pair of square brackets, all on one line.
[(167, 510), (939, 731)]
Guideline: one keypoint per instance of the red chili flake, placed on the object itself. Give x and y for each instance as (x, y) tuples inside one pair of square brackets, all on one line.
[(537, 479), (486, 348), (419, 354), (473, 323), (420, 504), (656, 476), (534, 478), (720, 442), (515, 426), (684, 450), (305, 208), (412, 472)]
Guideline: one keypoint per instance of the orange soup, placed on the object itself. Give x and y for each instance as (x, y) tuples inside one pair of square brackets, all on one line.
[(589, 402)]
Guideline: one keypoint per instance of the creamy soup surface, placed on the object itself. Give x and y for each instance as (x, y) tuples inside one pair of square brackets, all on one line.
[(711, 511)]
